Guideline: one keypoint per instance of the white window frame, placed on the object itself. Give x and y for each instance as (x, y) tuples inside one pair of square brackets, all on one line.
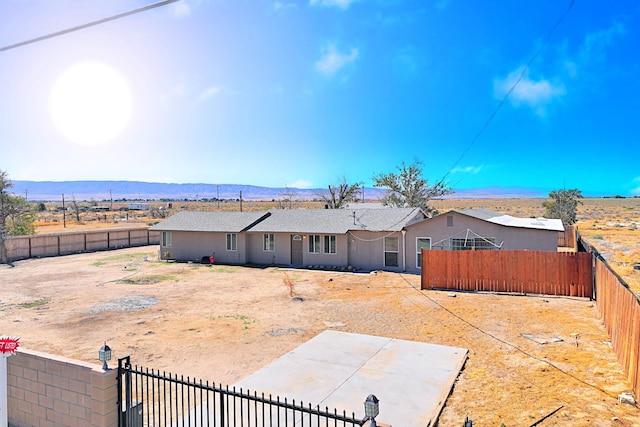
[(387, 251), (419, 251), (166, 239), (268, 242), (232, 242), (314, 243), (330, 244)]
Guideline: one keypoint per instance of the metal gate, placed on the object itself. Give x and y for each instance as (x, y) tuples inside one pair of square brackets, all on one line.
[(154, 399)]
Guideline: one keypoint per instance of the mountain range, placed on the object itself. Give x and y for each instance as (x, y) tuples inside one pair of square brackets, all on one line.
[(139, 190)]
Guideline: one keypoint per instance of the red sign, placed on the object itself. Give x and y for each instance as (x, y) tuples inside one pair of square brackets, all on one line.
[(8, 345)]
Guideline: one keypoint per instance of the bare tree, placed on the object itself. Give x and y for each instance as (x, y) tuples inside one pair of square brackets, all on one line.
[(288, 199), (337, 195), (408, 188), (75, 208)]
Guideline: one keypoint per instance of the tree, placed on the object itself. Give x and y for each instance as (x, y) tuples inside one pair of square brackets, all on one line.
[(408, 188), (288, 199), (337, 195), (75, 207), (563, 204), (15, 215)]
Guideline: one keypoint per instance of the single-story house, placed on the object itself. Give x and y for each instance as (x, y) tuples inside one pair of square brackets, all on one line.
[(355, 239)]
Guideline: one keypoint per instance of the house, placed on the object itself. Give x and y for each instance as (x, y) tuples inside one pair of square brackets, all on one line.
[(350, 239)]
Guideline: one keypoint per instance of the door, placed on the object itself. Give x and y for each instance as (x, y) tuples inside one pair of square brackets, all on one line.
[(296, 250)]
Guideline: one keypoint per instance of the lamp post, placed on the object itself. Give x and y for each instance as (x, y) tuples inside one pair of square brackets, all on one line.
[(372, 409), (104, 355)]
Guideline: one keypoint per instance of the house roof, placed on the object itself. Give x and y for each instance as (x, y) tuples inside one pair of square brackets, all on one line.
[(304, 221), (511, 221), (337, 221), (230, 222)]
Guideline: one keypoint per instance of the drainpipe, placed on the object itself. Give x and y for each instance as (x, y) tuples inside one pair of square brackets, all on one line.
[(404, 250)]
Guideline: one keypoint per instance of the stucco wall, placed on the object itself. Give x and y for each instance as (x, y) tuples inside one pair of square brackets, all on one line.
[(282, 253), (192, 246), (46, 390), (514, 238), (366, 250)]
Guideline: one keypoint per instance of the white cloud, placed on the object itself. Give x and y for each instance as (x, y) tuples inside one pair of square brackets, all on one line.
[(278, 5), (333, 61), (301, 183), (208, 93), (342, 4), (596, 43), (537, 94), (182, 8), (468, 169)]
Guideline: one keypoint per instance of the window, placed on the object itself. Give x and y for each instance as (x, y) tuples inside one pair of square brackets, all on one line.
[(390, 251), (166, 239), (232, 241), (314, 244), (450, 221), (269, 242), (421, 243), (329, 244)]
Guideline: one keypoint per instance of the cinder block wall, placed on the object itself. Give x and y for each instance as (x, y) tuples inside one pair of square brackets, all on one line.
[(46, 390)]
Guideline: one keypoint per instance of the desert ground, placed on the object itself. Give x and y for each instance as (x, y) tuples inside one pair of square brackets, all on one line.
[(222, 323)]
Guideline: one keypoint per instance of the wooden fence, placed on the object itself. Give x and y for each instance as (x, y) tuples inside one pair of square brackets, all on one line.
[(525, 272), (46, 245), (568, 238), (620, 311)]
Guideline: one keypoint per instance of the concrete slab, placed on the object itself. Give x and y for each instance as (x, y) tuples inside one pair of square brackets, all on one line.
[(339, 370)]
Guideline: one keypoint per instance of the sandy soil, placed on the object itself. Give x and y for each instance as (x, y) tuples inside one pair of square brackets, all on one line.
[(222, 323)]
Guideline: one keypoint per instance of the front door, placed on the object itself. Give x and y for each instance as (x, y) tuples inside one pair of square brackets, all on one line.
[(296, 250)]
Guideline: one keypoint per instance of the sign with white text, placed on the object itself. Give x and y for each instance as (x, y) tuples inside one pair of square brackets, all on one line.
[(8, 346)]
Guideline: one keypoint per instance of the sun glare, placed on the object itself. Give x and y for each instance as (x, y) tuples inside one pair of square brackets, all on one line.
[(90, 103)]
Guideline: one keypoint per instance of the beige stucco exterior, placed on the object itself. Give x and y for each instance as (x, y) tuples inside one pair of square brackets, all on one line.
[(192, 246), (359, 249), (511, 238)]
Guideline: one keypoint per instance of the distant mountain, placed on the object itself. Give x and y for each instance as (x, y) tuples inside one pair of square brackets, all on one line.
[(138, 190)]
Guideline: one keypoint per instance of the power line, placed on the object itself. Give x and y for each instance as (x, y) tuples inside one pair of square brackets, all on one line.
[(515, 347), (90, 24), (515, 84)]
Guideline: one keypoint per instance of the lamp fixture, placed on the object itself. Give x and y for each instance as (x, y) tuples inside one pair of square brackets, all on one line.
[(104, 355), (372, 409)]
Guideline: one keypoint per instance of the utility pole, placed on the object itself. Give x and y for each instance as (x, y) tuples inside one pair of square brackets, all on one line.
[(64, 213), (111, 200), (26, 193), (241, 201), (218, 195)]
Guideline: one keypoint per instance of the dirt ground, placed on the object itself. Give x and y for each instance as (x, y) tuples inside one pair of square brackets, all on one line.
[(222, 323)]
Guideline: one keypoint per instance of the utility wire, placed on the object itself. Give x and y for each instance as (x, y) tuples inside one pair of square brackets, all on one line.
[(515, 347), (90, 24), (506, 96)]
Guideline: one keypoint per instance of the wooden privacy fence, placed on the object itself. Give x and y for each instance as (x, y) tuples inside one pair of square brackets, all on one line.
[(620, 311), (568, 238), (45, 245), (525, 272)]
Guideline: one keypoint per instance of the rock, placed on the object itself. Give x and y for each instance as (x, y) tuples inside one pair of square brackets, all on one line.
[(627, 398)]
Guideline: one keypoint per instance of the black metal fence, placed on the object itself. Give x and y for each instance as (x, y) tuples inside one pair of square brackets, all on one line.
[(150, 398)]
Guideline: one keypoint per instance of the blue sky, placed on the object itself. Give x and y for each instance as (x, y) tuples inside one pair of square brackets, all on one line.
[(303, 93)]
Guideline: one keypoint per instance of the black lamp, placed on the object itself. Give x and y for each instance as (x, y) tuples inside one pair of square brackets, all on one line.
[(104, 355), (372, 409)]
